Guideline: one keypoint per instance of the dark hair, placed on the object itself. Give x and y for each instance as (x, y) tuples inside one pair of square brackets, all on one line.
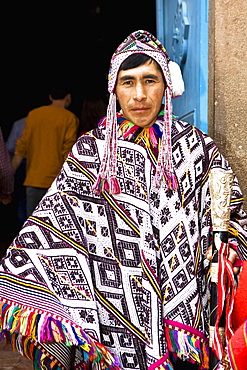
[(59, 91), (136, 60), (93, 109)]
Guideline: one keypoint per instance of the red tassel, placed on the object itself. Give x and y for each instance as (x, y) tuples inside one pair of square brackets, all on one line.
[(114, 186), (171, 181), (97, 185), (105, 186), (174, 181)]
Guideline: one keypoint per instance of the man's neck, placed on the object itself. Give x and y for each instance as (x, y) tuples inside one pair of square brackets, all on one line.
[(58, 103)]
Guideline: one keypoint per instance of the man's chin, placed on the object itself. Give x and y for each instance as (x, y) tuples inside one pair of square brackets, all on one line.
[(141, 120), (144, 124)]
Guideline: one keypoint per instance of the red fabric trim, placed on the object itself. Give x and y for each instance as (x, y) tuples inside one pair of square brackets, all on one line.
[(225, 298), (240, 301), (237, 348)]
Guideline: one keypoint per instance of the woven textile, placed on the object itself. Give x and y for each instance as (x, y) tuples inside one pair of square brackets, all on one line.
[(123, 278)]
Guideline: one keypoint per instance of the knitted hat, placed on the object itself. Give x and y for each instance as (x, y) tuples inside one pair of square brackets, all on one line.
[(145, 43)]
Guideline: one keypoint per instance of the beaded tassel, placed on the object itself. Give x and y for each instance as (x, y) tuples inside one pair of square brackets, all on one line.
[(164, 168), (107, 176)]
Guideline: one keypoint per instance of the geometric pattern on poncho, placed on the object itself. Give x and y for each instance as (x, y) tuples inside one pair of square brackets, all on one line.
[(119, 265)]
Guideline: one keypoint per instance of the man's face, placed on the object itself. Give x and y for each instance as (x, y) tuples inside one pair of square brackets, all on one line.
[(140, 92)]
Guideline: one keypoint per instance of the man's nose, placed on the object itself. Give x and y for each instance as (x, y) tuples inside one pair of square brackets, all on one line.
[(140, 93)]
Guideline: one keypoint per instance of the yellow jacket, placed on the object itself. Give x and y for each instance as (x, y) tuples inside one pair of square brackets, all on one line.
[(48, 136)]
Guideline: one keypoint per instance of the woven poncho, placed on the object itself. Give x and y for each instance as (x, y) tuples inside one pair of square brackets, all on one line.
[(122, 279)]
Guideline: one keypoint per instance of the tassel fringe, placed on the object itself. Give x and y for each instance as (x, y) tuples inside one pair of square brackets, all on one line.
[(164, 168), (187, 347), (102, 184), (27, 327), (163, 363), (114, 186)]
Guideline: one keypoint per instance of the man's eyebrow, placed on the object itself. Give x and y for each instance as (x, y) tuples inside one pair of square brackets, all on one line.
[(124, 78), (130, 77), (151, 76)]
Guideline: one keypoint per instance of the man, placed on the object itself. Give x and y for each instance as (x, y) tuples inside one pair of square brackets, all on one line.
[(112, 264), (48, 135), (6, 174)]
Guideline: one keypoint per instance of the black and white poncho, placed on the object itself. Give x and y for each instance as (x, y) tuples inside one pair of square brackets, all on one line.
[(123, 279)]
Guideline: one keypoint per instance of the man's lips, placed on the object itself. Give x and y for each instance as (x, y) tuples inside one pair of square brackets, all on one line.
[(140, 109)]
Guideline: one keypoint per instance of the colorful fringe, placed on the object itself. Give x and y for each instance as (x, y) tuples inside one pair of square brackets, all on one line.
[(163, 363), (33, 327), (33, 351), (149, 135), (187, 343)]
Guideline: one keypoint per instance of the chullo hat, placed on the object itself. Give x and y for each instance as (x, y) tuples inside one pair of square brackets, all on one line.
[(145, 43)]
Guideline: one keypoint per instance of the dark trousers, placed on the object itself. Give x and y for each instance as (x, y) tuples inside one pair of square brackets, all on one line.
[(34, 195)]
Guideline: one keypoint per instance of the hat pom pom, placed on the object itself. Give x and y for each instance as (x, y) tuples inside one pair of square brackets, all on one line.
[(176, 79)]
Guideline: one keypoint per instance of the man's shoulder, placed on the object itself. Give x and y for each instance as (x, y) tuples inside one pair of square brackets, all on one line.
[(71, 114), (94, 133), (48, 110), (180, 124), (37, 110), (66, 113), (181, 128)]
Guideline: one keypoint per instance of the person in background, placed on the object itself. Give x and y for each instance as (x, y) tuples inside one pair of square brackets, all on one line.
[(48, 135), (93, 109), (6, 174), (15, 133), (112, 267), (19, 196)]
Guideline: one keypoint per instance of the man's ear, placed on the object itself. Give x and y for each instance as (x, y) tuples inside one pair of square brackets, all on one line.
[(50, 98), (68, 99)]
